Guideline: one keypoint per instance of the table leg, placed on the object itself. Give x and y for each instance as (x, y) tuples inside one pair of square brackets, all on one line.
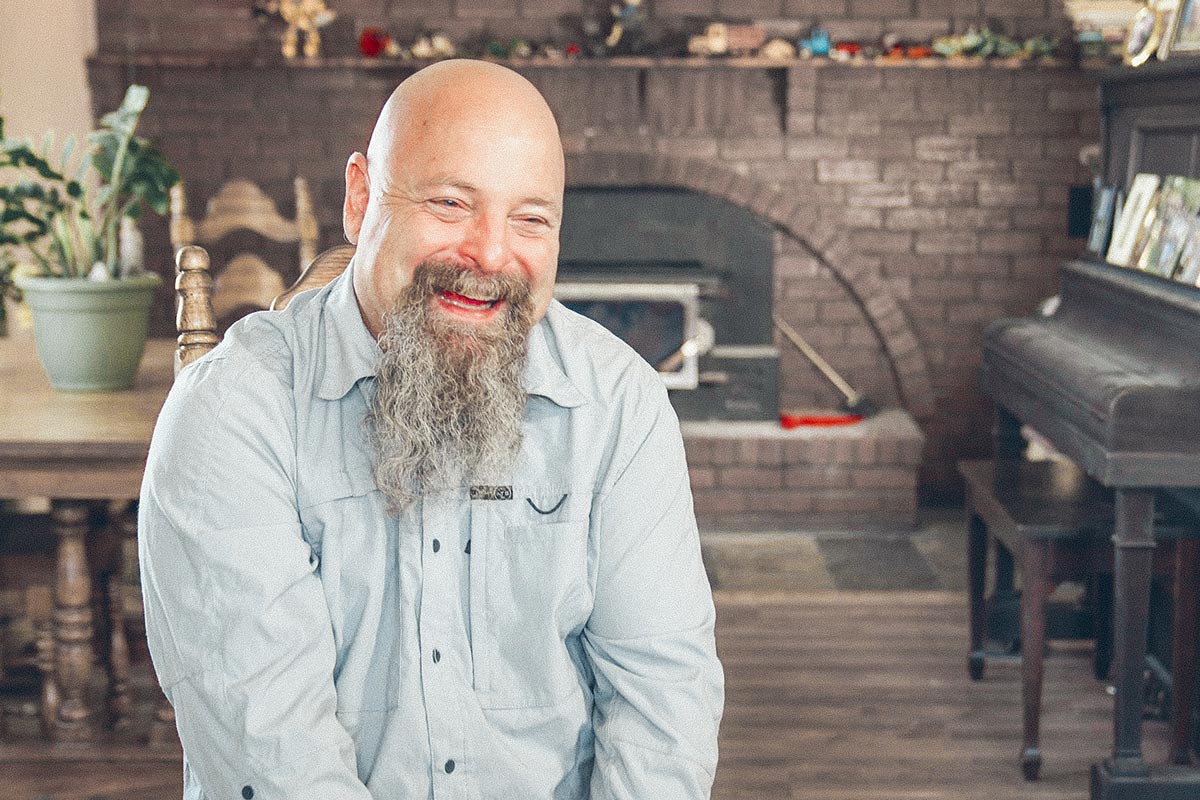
[(120, 702), (1133, 540), (72, 622), (162, 730)]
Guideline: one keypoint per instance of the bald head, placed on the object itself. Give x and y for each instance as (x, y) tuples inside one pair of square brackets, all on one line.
[(464, 168), (486, 97)]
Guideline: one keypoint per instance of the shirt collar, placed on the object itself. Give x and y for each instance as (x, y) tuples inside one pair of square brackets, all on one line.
[(544, 374), (351, 352)]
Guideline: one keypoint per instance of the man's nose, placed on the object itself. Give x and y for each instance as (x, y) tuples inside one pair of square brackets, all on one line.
[(487, 243)]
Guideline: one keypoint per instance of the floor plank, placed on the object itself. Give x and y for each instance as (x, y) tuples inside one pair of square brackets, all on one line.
[(830, 696)]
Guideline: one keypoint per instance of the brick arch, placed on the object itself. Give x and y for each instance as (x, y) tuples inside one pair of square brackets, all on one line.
[(799, 219)]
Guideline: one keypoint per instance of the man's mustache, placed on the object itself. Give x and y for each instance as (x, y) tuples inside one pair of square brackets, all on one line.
[(431, 277)]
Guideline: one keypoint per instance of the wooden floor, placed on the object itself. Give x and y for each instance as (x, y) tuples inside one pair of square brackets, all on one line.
[(830, 696)]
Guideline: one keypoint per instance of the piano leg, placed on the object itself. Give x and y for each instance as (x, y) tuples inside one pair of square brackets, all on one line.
[(1133, 539), (1183, 655)]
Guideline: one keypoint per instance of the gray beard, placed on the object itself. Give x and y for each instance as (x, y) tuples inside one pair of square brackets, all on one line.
[(448, 401)]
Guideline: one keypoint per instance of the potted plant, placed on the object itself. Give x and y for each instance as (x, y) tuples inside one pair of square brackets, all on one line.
[(67, 225)]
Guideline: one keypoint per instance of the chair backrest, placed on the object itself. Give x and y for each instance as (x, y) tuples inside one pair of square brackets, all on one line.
[(195, 319), (245, 282)]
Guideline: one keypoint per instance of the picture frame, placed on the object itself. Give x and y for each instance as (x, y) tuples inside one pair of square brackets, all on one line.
[(1189, 257), (1169, 10), (1176, 228), (1102, 220), (1148, 253), (1144, 35), (1184, 33), (1128, 230)]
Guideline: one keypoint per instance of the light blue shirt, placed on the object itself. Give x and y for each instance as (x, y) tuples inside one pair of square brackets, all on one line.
[(557, 643)]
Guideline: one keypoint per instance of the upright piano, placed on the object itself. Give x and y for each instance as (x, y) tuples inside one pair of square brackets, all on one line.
[(1112, 379)]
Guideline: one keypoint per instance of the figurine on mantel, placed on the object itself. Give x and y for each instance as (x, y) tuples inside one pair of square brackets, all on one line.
[(628, 33), (433, 45), (301, 16)]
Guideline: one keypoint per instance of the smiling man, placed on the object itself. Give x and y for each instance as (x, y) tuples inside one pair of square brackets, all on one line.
[(426, 533)]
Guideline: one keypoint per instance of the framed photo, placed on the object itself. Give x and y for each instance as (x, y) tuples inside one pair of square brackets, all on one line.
[(1129, 229), (1102, 220), (1189, 258), (1176, 228), (1185, 30), (1145, 32), (1169, 10)]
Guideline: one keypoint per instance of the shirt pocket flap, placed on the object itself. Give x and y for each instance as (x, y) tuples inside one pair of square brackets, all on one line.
[(336, 485)]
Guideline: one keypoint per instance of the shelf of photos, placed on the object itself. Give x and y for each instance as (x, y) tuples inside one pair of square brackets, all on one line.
[(1155, 228)]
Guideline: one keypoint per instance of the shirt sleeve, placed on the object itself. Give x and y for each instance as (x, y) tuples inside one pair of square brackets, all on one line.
[(236, 619), (659, 687)]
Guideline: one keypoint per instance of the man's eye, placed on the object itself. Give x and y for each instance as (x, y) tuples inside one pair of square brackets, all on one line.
[(448, 202)]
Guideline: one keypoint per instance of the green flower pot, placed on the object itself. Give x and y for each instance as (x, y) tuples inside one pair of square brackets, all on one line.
[(90, 334)]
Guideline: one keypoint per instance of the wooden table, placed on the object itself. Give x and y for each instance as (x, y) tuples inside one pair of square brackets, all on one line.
[(74, 447)]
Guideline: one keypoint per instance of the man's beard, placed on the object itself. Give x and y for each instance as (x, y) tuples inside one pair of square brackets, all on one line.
[(448, 401)]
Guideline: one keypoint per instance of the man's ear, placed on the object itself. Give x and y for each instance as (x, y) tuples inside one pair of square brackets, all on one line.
[(358, 192)]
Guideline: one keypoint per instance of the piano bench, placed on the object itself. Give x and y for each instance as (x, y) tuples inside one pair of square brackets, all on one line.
[(1056, 523)]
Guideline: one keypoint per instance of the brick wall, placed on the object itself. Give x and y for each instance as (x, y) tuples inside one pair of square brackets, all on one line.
[(912, 204)]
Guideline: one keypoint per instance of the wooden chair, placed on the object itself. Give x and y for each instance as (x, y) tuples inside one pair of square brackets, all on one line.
[(196, 319), (1056, 524), (245, 282)]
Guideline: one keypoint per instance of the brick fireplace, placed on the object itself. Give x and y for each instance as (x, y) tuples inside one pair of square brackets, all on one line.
[(907, 205)]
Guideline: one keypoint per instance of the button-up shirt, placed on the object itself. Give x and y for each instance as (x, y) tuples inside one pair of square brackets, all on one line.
[(547, 637)]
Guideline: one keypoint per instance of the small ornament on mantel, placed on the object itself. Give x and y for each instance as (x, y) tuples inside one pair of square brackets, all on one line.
[(305, 17), (628, 33), (373, 42), (713, 42), (778, 50)]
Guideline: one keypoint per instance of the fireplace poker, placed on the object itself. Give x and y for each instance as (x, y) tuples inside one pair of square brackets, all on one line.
[(854, 402), (697, 345)]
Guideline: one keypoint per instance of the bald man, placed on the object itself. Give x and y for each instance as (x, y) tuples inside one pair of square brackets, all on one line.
[(426, 533)]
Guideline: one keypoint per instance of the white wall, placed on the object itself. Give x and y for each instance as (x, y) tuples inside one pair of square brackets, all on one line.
[(43, 77)]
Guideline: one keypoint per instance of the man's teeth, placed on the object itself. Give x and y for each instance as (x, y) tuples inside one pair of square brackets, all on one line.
[(462, 301)]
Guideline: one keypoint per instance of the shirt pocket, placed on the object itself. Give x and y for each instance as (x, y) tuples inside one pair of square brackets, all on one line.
[(529, 594)]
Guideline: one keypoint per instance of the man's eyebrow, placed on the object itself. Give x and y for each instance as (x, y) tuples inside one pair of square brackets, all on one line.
[(437, 183), (540, 202)]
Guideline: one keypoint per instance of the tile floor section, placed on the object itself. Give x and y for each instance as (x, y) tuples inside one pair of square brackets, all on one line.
[(931, 557)]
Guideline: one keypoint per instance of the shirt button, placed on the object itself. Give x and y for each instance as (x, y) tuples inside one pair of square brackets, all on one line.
[(450, 766), (437, 655), (247, 792), (436, 545)]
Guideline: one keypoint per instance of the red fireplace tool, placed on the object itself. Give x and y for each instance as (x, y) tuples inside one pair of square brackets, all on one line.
[(854, 404)]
